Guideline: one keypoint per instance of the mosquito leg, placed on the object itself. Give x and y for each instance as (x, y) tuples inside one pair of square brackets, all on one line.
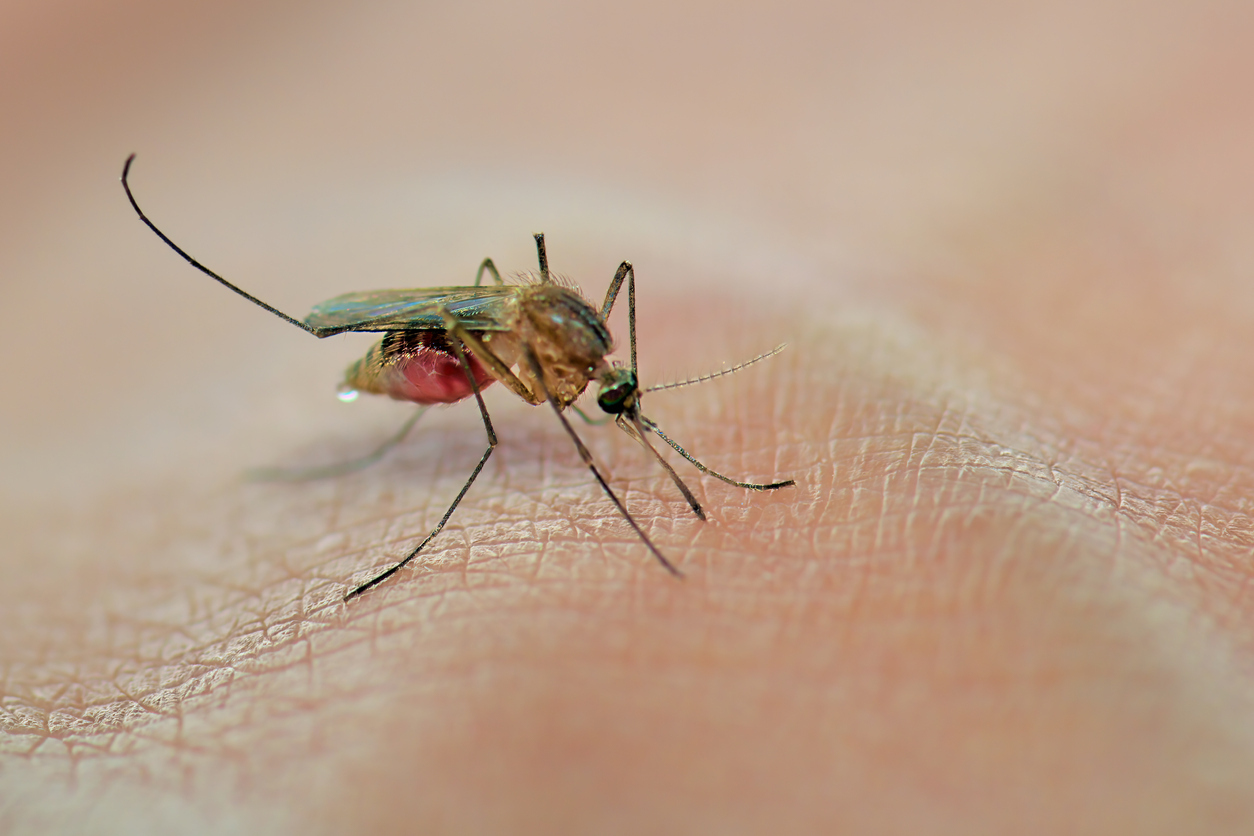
[(611, 292), (631, 317), (588, 419), (485, 355), (306, 474), (681, 451), (487, 426), (624, 271), (586, 455), (544, 258), (491, 268), (632, 427)]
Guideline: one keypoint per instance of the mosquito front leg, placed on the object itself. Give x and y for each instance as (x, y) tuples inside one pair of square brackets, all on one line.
[(500, 371), (586, 455), (752, 486), (633, 428)]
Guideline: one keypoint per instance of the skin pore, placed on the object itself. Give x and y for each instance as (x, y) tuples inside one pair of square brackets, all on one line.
[(1008, 594)]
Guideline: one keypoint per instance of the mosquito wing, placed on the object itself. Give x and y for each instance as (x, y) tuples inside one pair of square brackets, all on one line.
[(479, 308)]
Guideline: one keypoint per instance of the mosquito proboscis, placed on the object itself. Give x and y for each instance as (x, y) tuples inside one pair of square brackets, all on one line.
[(541, 339)]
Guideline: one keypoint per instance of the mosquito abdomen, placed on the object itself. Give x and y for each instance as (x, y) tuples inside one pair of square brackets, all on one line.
[(417, 366)]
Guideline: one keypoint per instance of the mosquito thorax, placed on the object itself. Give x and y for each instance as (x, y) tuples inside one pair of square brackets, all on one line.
[(619, 390)]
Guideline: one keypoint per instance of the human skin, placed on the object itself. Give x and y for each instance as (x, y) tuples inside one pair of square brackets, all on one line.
[(1009, 592)]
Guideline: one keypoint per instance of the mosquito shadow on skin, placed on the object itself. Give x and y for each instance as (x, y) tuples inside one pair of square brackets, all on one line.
[(330, 471)]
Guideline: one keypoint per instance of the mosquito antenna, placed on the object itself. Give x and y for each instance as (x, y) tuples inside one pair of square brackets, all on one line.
[(752, 486), (544, 258), (632, 427), (317, 332), (705, 378), (538, 373)]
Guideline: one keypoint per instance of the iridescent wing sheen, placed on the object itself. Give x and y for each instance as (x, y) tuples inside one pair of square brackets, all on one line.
[(479, 308)]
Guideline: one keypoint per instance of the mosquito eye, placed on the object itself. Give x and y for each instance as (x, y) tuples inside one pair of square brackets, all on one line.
[(616, 398)]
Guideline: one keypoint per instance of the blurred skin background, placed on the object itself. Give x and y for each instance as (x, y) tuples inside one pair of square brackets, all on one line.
[(1011, 250)]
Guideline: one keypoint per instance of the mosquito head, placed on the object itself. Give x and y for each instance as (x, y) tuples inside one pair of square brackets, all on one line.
[(620, 391)]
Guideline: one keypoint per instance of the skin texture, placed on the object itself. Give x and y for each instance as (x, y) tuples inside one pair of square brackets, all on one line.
[(1009, 250)]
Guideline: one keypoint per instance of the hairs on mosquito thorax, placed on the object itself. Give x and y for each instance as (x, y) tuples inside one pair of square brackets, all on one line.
[(705, 378), (528, 278)]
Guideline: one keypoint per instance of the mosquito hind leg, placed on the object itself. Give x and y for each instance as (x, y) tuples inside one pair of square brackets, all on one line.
[(487, 426), (327, 471), (126, 186)]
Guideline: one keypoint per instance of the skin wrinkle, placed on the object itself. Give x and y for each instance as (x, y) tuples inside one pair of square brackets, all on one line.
[(1141, 500), (1097, 489), (1172, 517), (1051, 467)]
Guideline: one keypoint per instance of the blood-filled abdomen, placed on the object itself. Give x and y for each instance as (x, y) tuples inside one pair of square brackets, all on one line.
[(417, 366)]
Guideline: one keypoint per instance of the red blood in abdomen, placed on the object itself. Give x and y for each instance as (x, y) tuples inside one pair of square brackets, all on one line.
[(433, 374)]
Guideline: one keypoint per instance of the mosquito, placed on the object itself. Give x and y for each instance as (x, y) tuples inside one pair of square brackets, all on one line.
[(540, 339)]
